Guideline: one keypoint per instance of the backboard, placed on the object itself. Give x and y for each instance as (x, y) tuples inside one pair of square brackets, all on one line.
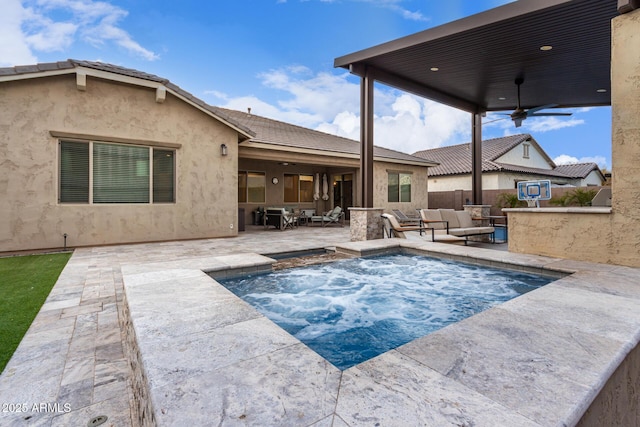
[(534, 191)]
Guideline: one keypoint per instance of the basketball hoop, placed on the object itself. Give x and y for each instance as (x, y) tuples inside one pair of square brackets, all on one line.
[(534, 191)]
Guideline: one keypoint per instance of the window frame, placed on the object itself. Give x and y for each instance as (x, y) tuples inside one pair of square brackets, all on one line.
[(298, 190), (398, 196), (90, 185), (247, 193)]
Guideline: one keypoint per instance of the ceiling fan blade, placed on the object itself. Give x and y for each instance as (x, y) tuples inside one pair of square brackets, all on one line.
[(548, 114), (542, 107)]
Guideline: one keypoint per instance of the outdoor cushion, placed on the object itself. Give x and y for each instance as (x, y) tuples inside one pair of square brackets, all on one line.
[(432, 215), (464, 219), (450, 215), (470, 231)]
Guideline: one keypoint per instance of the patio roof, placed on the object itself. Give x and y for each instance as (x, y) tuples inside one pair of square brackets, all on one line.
[(480, 56), (559, 49)]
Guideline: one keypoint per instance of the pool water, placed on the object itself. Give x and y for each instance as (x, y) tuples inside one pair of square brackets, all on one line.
[(352, 310)]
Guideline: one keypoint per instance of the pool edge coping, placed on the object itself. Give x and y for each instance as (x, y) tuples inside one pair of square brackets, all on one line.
[(542, 263)]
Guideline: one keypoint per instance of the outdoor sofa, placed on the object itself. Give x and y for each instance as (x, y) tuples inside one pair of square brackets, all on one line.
[(454, 223)]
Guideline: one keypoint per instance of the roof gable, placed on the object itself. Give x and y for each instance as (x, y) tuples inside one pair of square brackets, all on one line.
[(120, 74), (456, 159)]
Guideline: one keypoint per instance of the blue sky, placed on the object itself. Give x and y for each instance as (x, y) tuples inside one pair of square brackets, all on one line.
[(276, 57)]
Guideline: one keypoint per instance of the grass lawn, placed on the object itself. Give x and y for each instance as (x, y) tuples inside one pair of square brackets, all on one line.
[(25, 282)]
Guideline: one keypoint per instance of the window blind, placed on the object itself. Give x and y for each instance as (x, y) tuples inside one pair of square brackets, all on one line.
[(74, 172), (163, 176), (120, 173)]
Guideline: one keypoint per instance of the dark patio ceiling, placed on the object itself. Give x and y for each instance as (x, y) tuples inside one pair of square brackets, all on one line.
[(479, 57)]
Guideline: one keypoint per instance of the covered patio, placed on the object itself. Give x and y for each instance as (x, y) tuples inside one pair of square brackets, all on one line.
[(564, 53)]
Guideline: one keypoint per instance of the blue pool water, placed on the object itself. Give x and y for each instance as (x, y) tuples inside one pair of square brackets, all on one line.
[(352, 310)]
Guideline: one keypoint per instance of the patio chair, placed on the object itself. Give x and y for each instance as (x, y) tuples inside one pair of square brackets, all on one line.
[(334, 216), (280, 218), (404, 219), (393, 228)]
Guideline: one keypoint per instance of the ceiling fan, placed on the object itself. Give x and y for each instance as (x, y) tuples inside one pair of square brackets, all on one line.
[(520, 113)]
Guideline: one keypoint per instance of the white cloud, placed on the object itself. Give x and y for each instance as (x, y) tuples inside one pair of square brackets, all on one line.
[(14, 48), (331, 103), (31, 26), (393, 5)]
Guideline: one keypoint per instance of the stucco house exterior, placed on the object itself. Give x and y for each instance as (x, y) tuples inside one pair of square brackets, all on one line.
[(505, 162), (95, 154), (287, 159)]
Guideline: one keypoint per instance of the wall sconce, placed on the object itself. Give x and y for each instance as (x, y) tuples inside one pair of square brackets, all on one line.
[(223, 149)]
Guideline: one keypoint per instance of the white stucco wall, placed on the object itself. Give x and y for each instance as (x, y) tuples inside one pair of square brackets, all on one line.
[(515, 157), (32, 218)]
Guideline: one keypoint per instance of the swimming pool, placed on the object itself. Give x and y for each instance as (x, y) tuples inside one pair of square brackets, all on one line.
[(352, 310)]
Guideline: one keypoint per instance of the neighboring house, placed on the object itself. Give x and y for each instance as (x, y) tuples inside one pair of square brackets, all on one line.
[(94, 154), (505, 162), (287, 159)]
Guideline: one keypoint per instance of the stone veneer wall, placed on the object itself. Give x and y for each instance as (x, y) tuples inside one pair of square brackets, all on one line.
[(366, 224), (478, 211), (141, 406)]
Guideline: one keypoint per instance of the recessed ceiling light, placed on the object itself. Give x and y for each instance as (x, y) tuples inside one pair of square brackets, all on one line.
[(434, 68), (546, 47), (501, 98), (601, 90)]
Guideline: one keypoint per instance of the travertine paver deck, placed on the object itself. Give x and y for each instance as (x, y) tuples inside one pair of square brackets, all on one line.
[(71, 367), (536, 360)]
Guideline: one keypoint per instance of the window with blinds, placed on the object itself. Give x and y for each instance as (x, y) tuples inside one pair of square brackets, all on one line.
[(163, 176), (117, 173), (74, 172)]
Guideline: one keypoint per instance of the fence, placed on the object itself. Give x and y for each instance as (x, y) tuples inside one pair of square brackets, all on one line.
[(457, 198)]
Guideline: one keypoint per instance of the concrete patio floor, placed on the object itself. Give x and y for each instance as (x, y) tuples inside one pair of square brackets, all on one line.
[(72, 366)]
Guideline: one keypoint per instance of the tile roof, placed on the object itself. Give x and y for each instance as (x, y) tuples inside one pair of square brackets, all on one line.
[(275, 132), (456, 159), (71, 64), (260, 128), (578, 170)]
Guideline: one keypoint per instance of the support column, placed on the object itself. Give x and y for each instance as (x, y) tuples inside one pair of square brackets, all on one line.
[(366, 139), (479, 211), (366, 224), (476, 158)]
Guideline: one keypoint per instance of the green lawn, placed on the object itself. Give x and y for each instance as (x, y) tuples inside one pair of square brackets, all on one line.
[(25, 282)]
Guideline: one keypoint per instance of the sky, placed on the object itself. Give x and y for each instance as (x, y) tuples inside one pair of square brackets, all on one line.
[(276, 57)]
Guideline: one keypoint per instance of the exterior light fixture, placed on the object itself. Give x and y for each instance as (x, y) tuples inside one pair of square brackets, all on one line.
[(546, 47), (223, 149)]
